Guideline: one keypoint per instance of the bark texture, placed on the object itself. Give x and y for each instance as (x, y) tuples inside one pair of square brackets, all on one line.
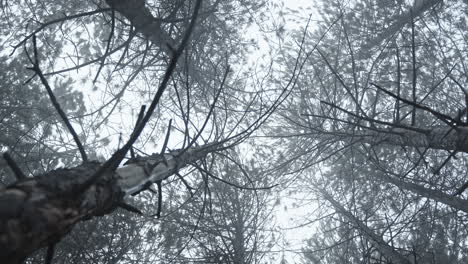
[(39, 211)]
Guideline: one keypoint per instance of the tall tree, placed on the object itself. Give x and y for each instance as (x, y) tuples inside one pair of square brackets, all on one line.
[(392, 110), (228, 223), (124, 45)]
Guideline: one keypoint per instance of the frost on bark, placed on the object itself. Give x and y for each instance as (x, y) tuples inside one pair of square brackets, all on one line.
[(39, 211)]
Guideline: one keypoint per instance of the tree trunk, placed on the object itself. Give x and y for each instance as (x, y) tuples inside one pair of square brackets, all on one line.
[(39, 211), (435, 195), (376, 240), (144, 22)]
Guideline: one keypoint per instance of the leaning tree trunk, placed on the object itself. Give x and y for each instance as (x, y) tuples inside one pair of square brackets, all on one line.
[(39, 211), (383, 247), (432, 194)]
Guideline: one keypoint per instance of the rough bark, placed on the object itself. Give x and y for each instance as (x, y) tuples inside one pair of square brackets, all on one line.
[(376, 240), (39, 211)]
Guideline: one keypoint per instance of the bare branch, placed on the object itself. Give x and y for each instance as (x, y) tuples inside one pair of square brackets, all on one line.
[(46, 24), (140, 116), (231, 183), (444, 118), (129, 208), (106, 53), (189, 188), (211, 109), (166, 139), (14, 167), (36, 68), (158, 212), (116, 158)]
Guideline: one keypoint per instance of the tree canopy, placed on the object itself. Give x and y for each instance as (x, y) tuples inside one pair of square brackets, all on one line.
[(138, 131)]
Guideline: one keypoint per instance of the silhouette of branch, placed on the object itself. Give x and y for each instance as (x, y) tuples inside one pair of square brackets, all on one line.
[(84, 64), (36, 68), (414, 70), (211, 109), (140, 116), (113, 162), (62, 19), (298, 66), (231, 183), (464, 92), (461, 189), (106, 53), (189, 188), (166, 139), (14, 167), (444, 118), (50, 253), (419, 130)]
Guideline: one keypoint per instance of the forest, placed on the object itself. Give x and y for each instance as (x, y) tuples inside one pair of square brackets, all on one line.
[(234, 131)]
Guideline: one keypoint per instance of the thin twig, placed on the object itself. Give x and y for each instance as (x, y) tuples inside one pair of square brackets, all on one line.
[(397, 106), (140, 116), (464, 92), (452, 155), (50, 253), (416, 129), (46, 24), (211, 110), (298, 66), (106, 53), (98, 59), (231, 183)]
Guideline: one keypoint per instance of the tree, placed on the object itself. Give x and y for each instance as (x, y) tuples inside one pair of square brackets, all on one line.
[(39, 211), (228, 223), (387, 118)]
